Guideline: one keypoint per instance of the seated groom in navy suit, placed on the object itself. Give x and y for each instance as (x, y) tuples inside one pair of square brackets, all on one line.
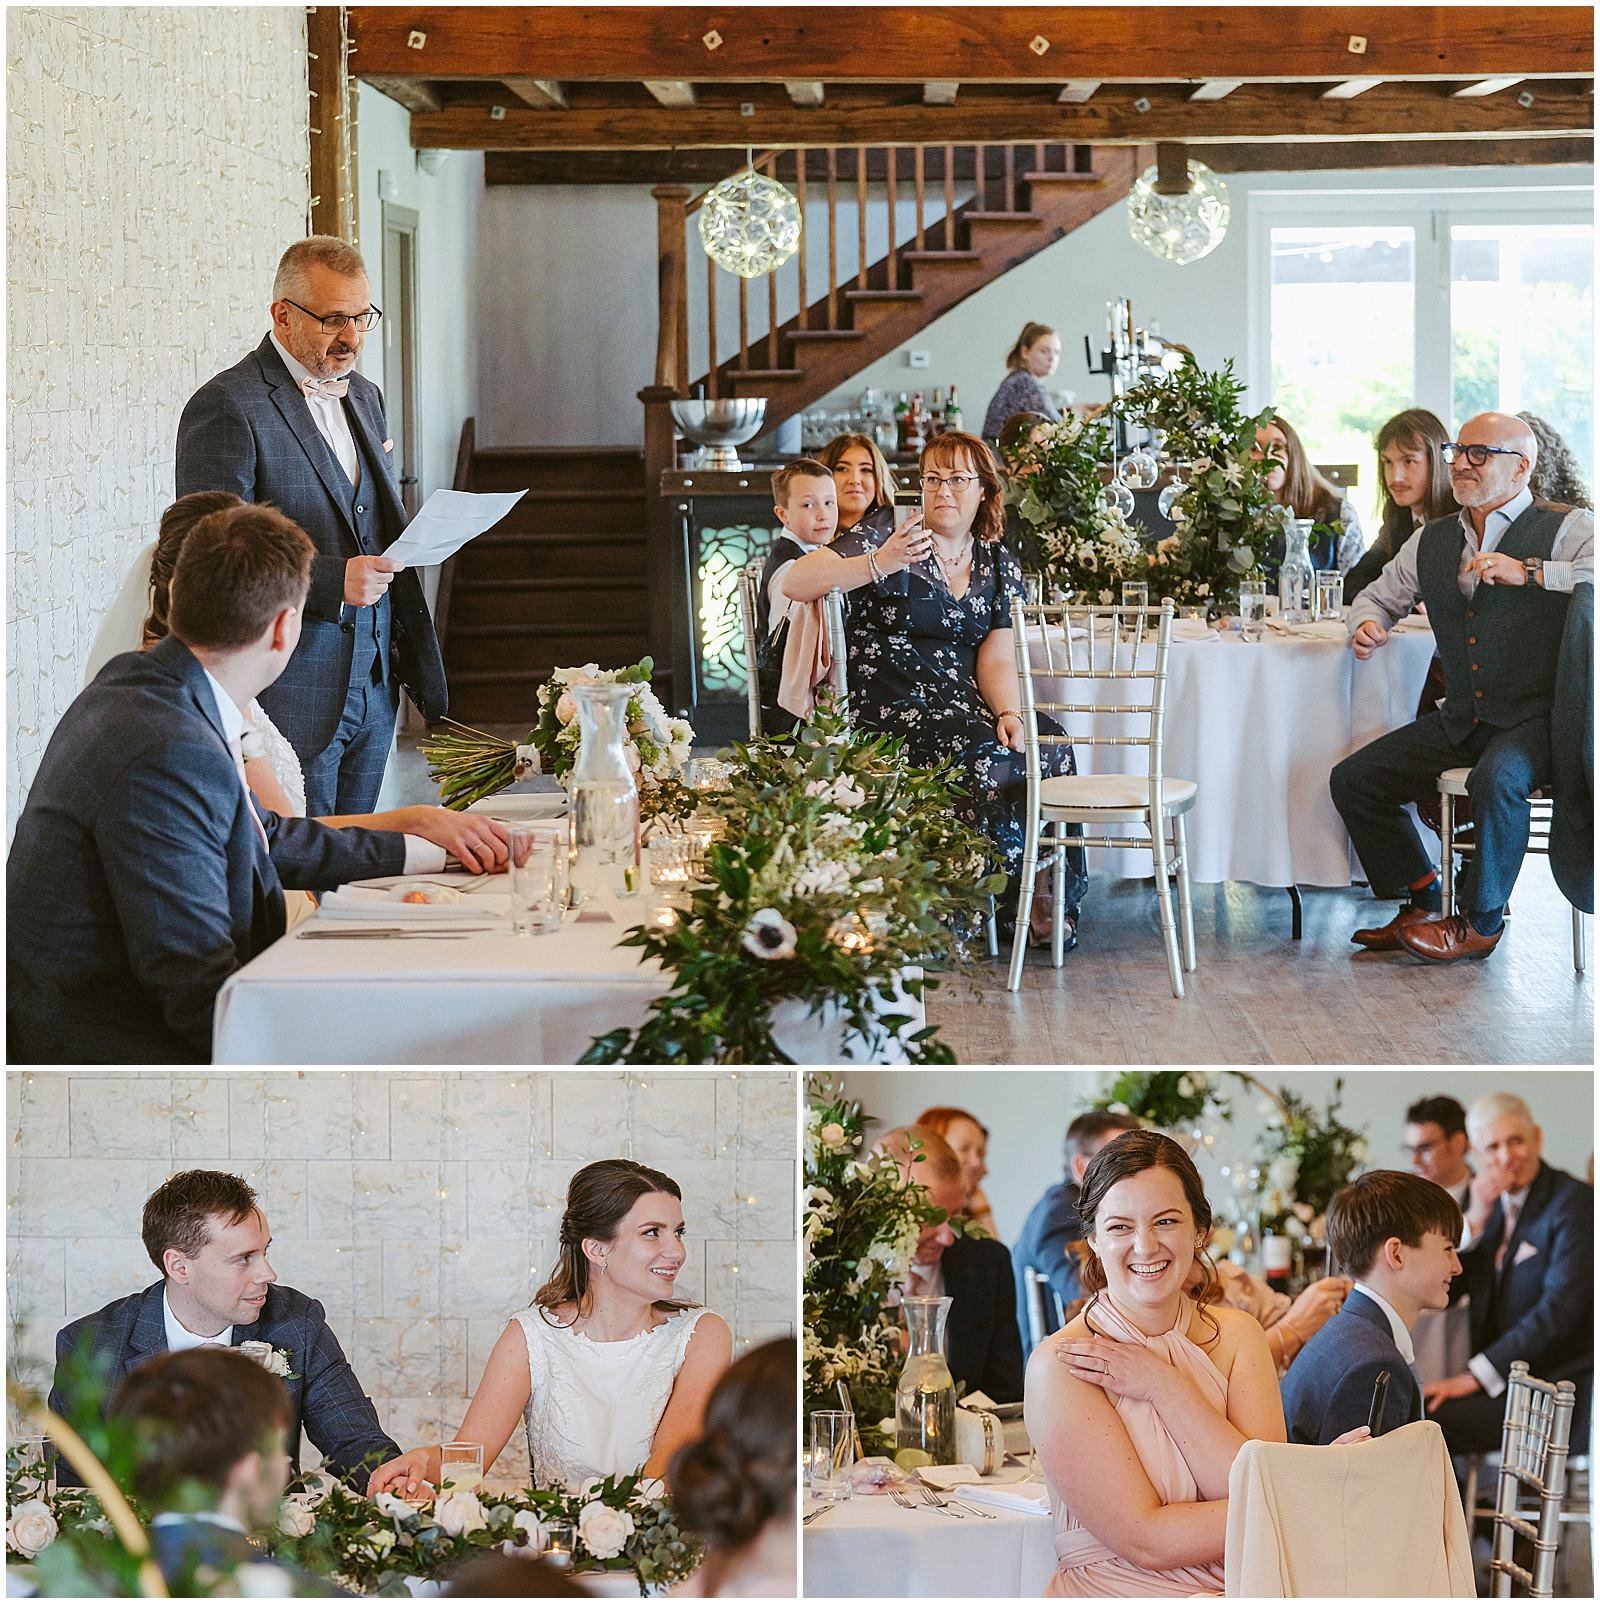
[(210, 1469), (205, 1231), (294, 425), (1396, 1234), (142, 874), (1528, 1268)]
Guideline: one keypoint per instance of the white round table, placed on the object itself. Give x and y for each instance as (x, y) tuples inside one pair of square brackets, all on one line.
[(1258, 727), (869, 1547)]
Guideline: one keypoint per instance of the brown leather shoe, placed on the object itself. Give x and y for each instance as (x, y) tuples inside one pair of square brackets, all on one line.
[(1386, 938), (1443, 941)]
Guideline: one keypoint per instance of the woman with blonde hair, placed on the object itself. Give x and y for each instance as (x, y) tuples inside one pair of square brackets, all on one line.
[(863, 481), (1031, 360), (931, 656)]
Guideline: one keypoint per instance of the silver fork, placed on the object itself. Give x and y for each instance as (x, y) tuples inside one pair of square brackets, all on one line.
[(932, 1498), (972, 1509), (900, 1498)]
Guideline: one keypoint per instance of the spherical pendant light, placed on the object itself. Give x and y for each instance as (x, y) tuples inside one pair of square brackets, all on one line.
[(1179, 228), (749, 224)]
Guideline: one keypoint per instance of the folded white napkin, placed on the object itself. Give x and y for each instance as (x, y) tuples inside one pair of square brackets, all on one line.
[(943, 1477), (359, 902), (1025, 1497), (1195, 630)]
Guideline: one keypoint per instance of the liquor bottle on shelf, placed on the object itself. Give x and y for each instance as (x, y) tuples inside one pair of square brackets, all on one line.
[(936, 415), (953, 421), (917, 424), (902, 417)]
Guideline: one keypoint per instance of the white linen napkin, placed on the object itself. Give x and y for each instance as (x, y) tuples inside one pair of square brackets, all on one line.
[(1195, 630), (1025, 1497), (943, 1477), (358, 902)]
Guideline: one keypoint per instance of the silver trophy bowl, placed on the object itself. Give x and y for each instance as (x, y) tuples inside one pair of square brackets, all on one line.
[(719, 428)]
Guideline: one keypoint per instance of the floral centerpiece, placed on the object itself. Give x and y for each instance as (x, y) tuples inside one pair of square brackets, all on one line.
[(861, 1222), (1224, 518), (470, 764), (1175, 1101), (1305, 1156), (1083, 544), (841, 867)]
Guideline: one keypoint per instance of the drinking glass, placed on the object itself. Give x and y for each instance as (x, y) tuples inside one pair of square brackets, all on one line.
[(29, 1467), (1253, 609), (537, 879), (460, 1468), (833, 1453), (1032, 587), (1330, 594)]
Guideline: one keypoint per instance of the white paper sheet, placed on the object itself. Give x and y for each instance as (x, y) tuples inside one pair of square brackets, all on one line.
[(447, 520)]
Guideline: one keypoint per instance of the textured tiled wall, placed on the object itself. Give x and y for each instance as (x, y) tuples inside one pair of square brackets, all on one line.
[(421, 1208), (156, 168)]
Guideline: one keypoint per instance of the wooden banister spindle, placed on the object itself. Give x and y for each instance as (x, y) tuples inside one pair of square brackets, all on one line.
[(861, 216), (744, 322), (979, 161), (1038, 158), (917, 174), (672, 330), (1011, 178), (891, 156), (772, 318), (949, 197), (711, 329), (800, 196), (833, 238)]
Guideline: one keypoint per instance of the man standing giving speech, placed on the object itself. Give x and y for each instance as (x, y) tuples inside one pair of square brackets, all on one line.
[(295, 425)]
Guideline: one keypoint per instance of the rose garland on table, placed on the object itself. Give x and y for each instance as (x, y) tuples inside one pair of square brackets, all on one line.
[(841, 866), (470, 764), (862, 1218), (1083, 544), (1225, 517)]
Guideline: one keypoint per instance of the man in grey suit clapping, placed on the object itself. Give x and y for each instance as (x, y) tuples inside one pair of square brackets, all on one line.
[(295, 425)]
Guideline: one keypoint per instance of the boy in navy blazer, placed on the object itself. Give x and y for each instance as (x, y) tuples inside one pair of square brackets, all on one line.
[(1396, 1234)]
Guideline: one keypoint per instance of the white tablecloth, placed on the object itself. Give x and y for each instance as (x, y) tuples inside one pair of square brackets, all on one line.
[(1258, 728), (491, 998), (868, 1547)]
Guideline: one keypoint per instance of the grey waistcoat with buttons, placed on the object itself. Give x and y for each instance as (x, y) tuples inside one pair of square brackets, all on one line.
[(372, 624), (1500, 646)]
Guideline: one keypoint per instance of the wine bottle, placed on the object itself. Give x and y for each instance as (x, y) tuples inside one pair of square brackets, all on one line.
[(953, 420)]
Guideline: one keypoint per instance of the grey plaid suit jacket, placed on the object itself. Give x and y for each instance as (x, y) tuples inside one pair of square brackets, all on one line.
[(325, 1397), (136, 882), (249, 430)]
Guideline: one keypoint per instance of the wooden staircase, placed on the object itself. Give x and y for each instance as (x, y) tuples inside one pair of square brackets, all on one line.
[(1018, 206), (560, 581)]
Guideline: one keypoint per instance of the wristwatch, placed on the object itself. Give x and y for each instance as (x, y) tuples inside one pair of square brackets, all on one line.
[(1533, 567)]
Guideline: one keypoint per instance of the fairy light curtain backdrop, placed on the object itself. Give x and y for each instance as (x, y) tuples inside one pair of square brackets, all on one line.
[(421, 1208)]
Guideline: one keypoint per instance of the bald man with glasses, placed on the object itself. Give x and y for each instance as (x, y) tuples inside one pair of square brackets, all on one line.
[(295, 425), (1496, 579)]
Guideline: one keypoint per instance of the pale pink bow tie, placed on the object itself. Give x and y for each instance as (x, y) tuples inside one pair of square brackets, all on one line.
[(328, 389)]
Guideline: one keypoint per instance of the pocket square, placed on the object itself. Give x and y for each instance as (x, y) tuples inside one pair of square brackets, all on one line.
[(388, 445), (1525, 1251)]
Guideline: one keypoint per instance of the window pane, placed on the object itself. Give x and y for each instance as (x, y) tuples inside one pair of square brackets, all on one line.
[(1522, 325), (1342, 342)]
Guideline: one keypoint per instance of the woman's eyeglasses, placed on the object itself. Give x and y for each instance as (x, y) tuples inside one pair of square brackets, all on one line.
[(932, 483), (1477, 455)]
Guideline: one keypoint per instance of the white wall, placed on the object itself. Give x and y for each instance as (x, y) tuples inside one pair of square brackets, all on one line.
[(421, 1208), (1027, 1113), (157, 165), (448, 208)]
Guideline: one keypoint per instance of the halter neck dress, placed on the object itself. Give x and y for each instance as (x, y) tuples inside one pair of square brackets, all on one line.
[(1087, 1568)]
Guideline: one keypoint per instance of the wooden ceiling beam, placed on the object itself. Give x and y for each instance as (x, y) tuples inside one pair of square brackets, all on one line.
[(415, 94), (1251, 114), (671, 92), (1360, 154), (805, 91), (975, 44), (543, 94)]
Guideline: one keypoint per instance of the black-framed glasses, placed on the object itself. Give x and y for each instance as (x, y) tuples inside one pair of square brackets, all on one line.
[(1477, 455), (336, 322)]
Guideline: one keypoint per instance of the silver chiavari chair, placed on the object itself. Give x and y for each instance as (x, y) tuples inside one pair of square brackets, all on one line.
[(1533, 1455), (749, 588), (1044, 1306), (1104, 655)]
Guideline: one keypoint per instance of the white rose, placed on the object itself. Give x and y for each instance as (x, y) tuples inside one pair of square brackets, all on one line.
[(603, 1530), (32, 1528), (395, 1508), (528, 1524), (566, 707), (460, 1513), (832, 1136), (295, 1520), (272, 1360), (382, 1540)]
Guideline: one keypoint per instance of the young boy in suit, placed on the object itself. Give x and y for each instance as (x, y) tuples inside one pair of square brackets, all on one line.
[(807, 505), (1396, 1234)]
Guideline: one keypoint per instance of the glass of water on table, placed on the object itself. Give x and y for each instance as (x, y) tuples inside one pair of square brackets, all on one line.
[(833, 1454), (537, 874), (1252, 609), (1329, 600)]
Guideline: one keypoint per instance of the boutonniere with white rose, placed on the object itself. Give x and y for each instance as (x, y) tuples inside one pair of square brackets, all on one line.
[(275, 1361)]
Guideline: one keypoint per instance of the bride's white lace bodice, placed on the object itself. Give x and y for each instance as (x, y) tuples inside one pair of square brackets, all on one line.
[(283, 758), (593, 1407)]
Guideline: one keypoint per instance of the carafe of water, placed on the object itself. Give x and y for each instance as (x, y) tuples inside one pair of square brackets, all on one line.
[(605, 797), (925, 1399), (1297, 579)]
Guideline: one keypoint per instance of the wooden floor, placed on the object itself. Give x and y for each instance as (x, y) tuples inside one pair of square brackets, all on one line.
[(1258, 997)]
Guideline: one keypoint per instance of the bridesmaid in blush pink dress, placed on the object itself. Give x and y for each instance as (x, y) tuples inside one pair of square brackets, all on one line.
[(1140, 1405)]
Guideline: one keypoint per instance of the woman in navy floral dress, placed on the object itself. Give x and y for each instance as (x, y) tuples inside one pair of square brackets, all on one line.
[(931, 655)]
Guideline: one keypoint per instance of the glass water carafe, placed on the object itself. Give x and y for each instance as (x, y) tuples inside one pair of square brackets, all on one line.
[(1297, 579), (925, 1398), (604, 796)]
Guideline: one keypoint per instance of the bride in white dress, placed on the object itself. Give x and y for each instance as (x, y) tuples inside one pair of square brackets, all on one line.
[(138, 618), (608, 1373)]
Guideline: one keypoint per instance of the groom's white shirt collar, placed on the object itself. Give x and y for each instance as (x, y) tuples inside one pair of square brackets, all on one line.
[(233, 720), (1397, 1326), (179, 1337)]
